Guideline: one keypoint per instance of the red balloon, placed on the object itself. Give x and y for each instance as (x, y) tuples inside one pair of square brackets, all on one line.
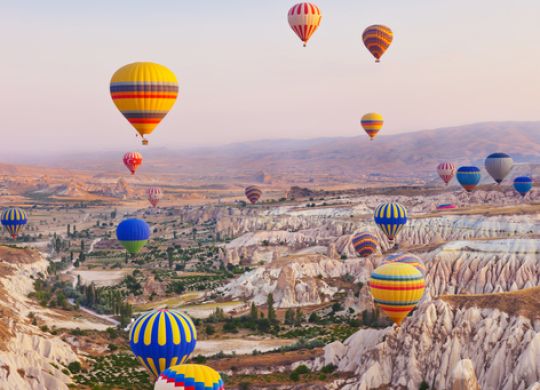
[(132, 160), (154, 195)]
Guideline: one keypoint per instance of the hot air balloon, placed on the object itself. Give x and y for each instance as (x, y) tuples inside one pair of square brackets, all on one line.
[(133, 233), (523, 184), (14, 219), (253, 193), (468, 177), (446, 171), (154, 195), (365, 244), (498, 166), (396, 288), (446, 206), (377, 38), (189, 376), (407, 258), (390, 217), (372, 124), (162, 338), (304, 19), (132, 160), (144, 93)]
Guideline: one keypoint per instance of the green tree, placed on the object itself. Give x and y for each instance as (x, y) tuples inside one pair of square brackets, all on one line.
[(289, 317), (68, 230), (298, 317), (271, 311), (253, 314)]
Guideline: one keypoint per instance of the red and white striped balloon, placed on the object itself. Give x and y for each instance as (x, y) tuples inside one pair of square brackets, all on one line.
[(132, 160), (446, 171), (154, 195), (304, 19)]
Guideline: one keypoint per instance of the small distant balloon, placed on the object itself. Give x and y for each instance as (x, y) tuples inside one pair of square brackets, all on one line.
[(253, 193), (391, 218), (154, 195), (372, 124), (407, 258), (14, 219), (446, 171), (468, 177), (377, 39), (365, 244), (523, 184), (189, 376), (499, 166), (304, 19), (132, 160), (446, 206), (133, 233)]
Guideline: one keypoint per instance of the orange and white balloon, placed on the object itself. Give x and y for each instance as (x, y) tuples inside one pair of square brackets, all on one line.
[(154, 195), (304, 19)]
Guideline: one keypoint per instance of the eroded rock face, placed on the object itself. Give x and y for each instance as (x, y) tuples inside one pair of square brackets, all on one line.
[(433, 345), (464, 377)]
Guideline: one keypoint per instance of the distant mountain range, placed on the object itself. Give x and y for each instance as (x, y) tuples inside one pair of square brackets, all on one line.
[(339, 159)]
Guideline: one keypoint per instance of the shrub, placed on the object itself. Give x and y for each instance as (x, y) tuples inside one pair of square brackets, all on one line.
[(302, 369), (294, 376), (74, 367)]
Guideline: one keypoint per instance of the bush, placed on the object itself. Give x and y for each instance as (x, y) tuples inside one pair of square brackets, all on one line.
[(329, 368), (199, 359), (294, 376), (74, 367), (423, 386), (210, 330), (302, 369)]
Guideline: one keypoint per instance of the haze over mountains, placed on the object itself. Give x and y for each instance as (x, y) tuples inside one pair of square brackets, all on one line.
[(408, 156)]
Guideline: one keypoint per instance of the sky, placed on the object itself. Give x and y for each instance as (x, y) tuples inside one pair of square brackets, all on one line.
[(244, 75)]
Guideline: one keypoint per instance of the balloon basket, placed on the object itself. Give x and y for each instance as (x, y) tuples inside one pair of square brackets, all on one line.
[(145, 141)]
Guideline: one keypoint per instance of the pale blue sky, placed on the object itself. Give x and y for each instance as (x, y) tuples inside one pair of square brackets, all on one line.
[(244, 75)]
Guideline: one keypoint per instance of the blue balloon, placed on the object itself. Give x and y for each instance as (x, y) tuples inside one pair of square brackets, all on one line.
[(468, 177), (523, 184), (14, 219), (390, 217), (133, 234)]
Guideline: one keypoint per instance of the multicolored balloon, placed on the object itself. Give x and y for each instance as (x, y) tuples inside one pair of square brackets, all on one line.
[(154, 195), (446, 171), (377, 39), (446, 206), (498, 166), (144, 93), (390, 217), (523, 184), (468, 177), (14, 219), (133, 233), (372, 124), (253, 193), (132, 160), (189, 377), (365, 244), (161, 339), (304, 19), (407, 258), (397, 288)]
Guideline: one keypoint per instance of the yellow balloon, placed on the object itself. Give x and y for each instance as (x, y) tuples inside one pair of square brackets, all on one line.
[(372, 124), (144, 93)]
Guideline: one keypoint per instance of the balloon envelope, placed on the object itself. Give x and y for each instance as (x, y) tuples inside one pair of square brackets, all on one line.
[(523, 184), (154, 195), (446, 171), (499, 166), (304, 19), (133, 233), (132, 160), (365, 244), (407, 258), (390, 217), (377, 39), (161, 339), (14, 219), (144, 93), (372, 124), (253, 193), (396, 288), (446, 206), (468, 177), (189, 376)]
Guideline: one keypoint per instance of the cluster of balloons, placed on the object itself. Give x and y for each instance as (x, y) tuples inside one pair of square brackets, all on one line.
[(498, 165), (162, 340)]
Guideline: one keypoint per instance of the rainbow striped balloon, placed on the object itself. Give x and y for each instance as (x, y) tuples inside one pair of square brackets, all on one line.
[(365, 244), (390, 217), (14, 219), (377, 39), (407, 258), (396, 288), (144, 93), (189, 377), (253, 193), (372, 124), (162, 338)]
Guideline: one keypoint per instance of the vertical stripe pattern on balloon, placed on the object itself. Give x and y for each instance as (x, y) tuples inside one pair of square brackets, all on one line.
[(446, 171), (304, 19), (390, 217)]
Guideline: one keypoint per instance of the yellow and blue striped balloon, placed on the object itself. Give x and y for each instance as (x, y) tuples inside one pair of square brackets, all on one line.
[(162, 338), (396, 288), (14, 219), (390, 217), (189, 377)]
